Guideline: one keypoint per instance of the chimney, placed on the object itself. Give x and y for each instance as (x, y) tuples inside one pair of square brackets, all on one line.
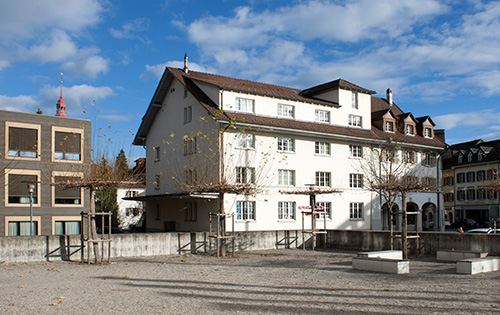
[(389, 96), (186, 70)]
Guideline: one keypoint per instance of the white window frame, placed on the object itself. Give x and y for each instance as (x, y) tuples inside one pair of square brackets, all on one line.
[(245, 141), (245, 210), (286, 210), (55, 219), (356, 180), (190, 146), (245, 175), (246, 105), (355, 151), (322, 148), (389, 126), (355, 121), (322, 116), (323, 179), (22, 172), (8, 155), (25, 219), (410, 129), (327, 209), (428, 132), (286, 144), (286, 111), (286, 177), (356, 210), (355, 100), (410, 156)]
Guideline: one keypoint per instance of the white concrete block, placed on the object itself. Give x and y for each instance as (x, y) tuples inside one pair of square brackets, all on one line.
[(381, 265), (387, 254), (456, 255), (478, 265)]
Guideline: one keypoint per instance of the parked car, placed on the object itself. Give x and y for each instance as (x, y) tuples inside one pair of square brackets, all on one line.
[(465, 224), (484, 231)]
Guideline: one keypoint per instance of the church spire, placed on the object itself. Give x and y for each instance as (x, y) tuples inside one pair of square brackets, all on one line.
[(61, 104)]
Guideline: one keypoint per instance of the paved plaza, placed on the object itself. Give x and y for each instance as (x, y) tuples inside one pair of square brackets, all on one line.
[(262, 282)]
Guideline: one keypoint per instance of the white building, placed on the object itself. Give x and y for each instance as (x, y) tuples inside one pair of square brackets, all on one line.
[(203, 128), (130, 212)]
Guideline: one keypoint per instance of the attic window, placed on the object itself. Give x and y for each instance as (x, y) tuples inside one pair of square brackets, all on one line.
[(389, 126), (410, 129), (480, 156), (460, 158), (428, 132), (469, 157)]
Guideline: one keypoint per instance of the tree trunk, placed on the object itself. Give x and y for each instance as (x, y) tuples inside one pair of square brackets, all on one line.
[(404, 226), (222, 226), (93, 228)]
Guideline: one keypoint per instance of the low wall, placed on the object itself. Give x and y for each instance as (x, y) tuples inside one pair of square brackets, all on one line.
[(43, 248), (429, 242)]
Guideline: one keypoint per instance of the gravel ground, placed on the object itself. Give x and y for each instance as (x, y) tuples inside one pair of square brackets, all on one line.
[(261, 282)]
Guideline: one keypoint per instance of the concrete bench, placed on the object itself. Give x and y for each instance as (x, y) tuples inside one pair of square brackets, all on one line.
[(478, 265), (381, 265), (456, 255), (387, 254)]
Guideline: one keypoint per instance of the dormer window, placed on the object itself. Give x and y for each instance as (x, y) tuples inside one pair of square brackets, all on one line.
[(428, 132), (469, 157), (389, 126), (480, 156), (245, 105), (410, 129), (460, 158)]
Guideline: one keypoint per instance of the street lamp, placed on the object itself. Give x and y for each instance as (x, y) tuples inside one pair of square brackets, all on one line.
[(31, 190)]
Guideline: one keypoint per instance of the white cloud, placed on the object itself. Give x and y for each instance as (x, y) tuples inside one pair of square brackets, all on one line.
[(58, 47), (21, 103), (485, 120), (129, 29), (88, 63), (77, 97), (23, 19)]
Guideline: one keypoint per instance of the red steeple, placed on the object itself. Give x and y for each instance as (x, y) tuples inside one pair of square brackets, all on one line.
[(61, 104)]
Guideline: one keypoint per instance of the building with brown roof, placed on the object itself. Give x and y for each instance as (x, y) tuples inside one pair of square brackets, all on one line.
[(203, 130)]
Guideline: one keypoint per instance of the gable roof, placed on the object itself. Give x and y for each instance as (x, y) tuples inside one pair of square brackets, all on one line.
[(336, 84), (190, 81)]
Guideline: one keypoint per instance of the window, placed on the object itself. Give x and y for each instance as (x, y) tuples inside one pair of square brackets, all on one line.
[(427, 132), (156, 151), (460, 178), (190, 176), (286, 210), (245, 141), (323, 179), (21, 228), (461, 194), (188, 114), (356, 180), (287, 111), (355, 151), (355, 121), (67, 227), (460, 158), (481, 175), (131, 193), (410, 157), (410, 129), (471, 193), (356, 210), (390, 156), (448, 181), (132, 212), (389, 126), (191, 211), (245, 210), (355, 104), (429, 159), (469, 157), (245, 105), (429, 181), (481, 193), (157, 182), (65, 194), (286, 145), (245, 175), (471, 177), (17, 188), (190, 146), (480, 155), (448, 197), (322, 116), (67, 144), (23, 140), (491, 174), (492, 194), (322, 148), (286, 177), (325, 209)]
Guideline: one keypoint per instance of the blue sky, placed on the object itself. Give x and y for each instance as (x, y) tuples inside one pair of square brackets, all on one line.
[(440, 58)]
